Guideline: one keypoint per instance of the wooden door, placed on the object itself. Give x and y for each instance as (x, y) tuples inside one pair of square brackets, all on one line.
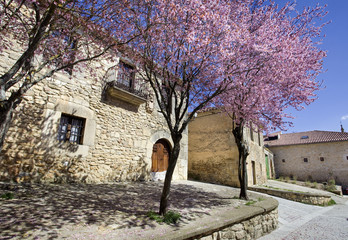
[(160, 156), (267, 168)]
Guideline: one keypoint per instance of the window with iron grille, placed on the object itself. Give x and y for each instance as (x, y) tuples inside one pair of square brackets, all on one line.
[(71, 129), (126, 75)]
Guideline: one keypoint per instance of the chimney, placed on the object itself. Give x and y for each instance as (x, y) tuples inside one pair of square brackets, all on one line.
[(342, 129)]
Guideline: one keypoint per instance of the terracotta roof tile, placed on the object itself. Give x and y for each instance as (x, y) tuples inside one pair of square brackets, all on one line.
[(306, 138)]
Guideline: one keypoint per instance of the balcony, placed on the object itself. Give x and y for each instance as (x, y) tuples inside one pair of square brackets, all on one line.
[(117, 89)]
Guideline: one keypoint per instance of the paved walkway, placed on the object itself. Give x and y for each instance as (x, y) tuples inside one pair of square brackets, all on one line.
[(298, 221), (110, 211)]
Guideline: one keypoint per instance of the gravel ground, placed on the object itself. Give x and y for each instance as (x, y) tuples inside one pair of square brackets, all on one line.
[(105, 211)]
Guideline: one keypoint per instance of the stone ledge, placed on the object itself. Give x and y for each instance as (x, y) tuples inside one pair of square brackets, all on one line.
[(303, 197), (223, 225)]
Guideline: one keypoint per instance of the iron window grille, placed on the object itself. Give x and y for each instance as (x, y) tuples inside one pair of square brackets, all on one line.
[(125, 80), (126, 75), (71, 129)]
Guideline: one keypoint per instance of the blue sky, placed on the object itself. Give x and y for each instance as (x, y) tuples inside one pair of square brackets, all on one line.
[(331, 107)]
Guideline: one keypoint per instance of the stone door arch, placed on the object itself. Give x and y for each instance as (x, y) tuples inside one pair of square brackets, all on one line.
[(160, 156)]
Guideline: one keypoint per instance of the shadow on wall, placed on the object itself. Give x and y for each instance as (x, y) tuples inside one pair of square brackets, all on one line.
[(43, 210), (32, 153)]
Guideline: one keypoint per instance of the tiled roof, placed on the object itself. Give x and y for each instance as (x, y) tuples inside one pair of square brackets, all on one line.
[(305, 138)]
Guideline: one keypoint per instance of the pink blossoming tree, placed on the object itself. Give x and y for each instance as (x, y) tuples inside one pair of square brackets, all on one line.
[(249, 56), (284, 63), (181, 57)]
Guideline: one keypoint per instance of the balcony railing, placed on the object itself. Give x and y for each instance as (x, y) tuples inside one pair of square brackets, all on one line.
[(126, 93)]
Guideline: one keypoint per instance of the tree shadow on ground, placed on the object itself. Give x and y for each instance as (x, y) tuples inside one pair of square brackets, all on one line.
[(40, 210)]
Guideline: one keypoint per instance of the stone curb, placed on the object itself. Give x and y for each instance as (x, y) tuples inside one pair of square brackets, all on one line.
[(304, 197), (219, 220)]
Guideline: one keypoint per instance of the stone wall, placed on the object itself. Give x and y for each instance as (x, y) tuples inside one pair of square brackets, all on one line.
[(289, 161), (213, 153), (118, 135), (308, 198), (249, 229)]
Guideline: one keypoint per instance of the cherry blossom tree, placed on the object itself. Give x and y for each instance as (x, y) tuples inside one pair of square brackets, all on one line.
[(284, 62), (189, 57), (54, 35)]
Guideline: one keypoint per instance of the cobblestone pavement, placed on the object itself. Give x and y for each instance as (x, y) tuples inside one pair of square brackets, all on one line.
[(298, 221), (105, 211)]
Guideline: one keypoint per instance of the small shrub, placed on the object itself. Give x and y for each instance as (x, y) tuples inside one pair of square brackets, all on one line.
[(7, 195), (332, 182), (331, 202), (260, 199), (308, 184), (295, 178), (315, 185), (169, 217), (287, 179), (281, 178), (154, 216), (250, 202), (331, 187)]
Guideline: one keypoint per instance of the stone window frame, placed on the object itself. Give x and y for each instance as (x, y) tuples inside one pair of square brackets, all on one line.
[(71, 129), (73, 107), (306, 160), (283, 160), (322, 159)]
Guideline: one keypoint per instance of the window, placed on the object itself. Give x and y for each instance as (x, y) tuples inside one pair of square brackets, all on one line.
[(321, 159), (304, 137), (71, 129), (305, 160), (126, 75), (283, 160), (259, 138), (251, 133), (72, 46)]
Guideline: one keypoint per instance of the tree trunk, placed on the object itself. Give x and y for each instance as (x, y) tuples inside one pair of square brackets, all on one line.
[(6, 113), (173, 158), (243, 154)]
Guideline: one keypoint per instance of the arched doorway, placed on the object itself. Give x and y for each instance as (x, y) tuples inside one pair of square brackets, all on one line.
[(160, 156)]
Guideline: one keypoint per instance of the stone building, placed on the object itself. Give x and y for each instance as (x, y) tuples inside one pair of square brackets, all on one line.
[(314, 155), (213, 153), (89, 128)]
